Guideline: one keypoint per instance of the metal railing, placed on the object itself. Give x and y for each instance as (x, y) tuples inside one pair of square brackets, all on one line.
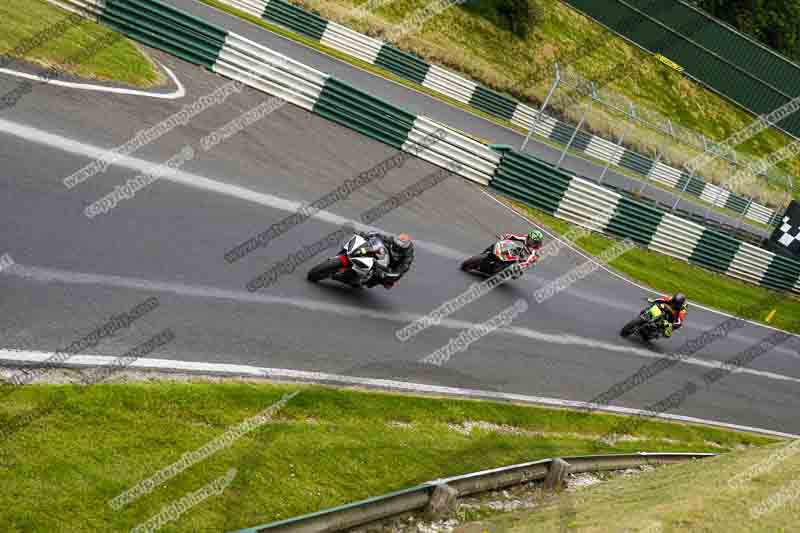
[(656, 121), (416, 498)]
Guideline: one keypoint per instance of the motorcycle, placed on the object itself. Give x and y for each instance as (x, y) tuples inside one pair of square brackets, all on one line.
[(499, 256), (650, 324), (355, 264)]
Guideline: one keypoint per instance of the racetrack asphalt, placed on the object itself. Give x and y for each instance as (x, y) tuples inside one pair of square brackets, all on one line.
[(423, 104), (73, 273)]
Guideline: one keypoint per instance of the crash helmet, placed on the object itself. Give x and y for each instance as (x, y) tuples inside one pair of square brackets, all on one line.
[(403, 240), (534, 239), (679, 300)]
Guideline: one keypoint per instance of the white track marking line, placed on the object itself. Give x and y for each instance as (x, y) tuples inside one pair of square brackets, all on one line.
[(49, 275), (188, 179), (180, 92), (193, 180), (83, 361), (616, 275)]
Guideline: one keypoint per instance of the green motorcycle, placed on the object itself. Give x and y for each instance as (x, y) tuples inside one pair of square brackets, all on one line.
[(651, 323)]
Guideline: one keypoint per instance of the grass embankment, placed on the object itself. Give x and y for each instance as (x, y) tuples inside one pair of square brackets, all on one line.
[(668, 275), (122, 61), (472, 40), (695, 496), (324, 448)]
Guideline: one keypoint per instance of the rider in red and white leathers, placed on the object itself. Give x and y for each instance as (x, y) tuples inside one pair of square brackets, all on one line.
[(532, 242)]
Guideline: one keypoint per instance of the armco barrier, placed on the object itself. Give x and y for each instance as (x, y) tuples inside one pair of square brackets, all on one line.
[(412, 68), (518, 175), (235, 57), (417, 498), (587, 204)]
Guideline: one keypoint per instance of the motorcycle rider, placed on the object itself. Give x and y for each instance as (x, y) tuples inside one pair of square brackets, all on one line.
[(401, 255), (532, 242), (676, 307)]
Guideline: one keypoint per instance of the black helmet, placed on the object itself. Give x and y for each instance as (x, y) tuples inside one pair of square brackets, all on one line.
[(679, 300)]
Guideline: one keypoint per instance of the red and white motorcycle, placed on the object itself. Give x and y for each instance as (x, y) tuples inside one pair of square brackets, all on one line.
[(501, 255)]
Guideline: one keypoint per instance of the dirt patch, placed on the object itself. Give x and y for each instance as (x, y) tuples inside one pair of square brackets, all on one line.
[(466, 428)]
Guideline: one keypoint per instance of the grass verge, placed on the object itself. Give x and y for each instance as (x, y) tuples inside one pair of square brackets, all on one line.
[(668, 275), (324, 448), (694, 496), (122, 61)]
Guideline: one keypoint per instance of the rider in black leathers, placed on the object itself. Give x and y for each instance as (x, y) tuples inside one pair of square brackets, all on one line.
[(401, 255)]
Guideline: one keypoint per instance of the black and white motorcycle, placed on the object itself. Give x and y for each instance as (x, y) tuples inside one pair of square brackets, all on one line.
[(355, 263)]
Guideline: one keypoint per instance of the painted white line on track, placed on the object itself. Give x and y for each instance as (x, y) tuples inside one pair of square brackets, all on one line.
[(84, 361), (189, 179), (50, 275), (180, 92), (196, 181), (615, 274)]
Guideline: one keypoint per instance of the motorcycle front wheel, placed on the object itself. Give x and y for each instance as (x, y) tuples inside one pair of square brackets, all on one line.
[(630, 327), (324, 270)]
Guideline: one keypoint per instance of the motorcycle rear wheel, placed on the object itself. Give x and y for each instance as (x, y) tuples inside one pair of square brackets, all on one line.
[(324, 270), (473, 263), (630, 327)]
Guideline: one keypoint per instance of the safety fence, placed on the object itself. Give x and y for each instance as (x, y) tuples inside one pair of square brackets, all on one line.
[(590, 205), (519, 175), (413, 68), (651, 169)]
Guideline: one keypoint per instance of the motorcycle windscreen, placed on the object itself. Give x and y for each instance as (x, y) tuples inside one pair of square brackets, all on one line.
[(355, 242), (507, 250)]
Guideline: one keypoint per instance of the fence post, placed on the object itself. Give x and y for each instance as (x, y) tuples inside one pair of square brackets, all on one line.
[(659, 155), (746, 209), (541, 109), (614, 154), (685, 186), (572, 138), (714, 202)]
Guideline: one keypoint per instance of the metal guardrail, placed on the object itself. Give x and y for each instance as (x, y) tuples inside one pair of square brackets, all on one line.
[(417, 498)]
